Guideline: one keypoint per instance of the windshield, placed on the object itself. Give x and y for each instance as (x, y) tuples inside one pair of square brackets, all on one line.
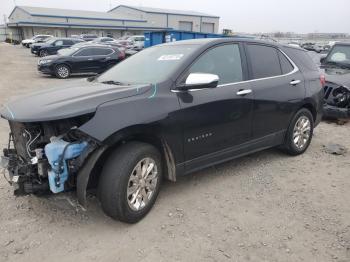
[(150, 66), (340, 54), (67, 51)]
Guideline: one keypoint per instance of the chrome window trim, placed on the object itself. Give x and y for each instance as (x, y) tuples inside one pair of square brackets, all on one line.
[(295, 69)]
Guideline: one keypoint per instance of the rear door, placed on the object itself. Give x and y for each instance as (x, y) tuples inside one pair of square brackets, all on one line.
[(218, 119), (278, 88), (103, 58)]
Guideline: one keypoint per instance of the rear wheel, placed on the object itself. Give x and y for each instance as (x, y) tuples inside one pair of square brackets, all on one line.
[(62, 71), (130, 182), (299, 133)]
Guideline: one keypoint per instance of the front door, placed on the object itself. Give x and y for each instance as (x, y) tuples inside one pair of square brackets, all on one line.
[(219, 119)]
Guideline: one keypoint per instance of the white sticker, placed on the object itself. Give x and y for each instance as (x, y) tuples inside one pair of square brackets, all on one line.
[(170, 57)]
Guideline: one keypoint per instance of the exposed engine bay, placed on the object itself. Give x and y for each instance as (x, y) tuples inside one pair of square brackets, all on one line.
[(46, 156)]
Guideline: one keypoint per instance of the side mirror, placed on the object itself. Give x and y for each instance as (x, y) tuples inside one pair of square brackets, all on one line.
[(322, 60), (200, 81)]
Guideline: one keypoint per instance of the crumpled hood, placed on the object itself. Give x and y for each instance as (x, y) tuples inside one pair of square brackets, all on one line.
[(337, 76), (64, 102)]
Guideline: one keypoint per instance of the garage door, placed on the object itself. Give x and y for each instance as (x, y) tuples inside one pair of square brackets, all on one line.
[(185, 26), (208, 27)]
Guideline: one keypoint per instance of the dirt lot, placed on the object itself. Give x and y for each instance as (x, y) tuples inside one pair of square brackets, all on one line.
[(263, 207)]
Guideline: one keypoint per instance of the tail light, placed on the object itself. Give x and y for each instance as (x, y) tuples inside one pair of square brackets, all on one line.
[(323, 80), (121, 55)]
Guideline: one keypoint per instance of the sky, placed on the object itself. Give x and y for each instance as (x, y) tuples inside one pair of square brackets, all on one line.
[(251, 16)]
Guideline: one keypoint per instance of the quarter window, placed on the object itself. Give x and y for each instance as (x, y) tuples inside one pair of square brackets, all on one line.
[(224, 61), (285, 64), (264, 61)]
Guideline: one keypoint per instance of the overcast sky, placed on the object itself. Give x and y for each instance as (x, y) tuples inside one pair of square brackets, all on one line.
[(301, 16)]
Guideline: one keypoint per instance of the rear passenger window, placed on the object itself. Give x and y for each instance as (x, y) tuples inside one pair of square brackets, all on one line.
[(264, 61), (101, 51), (84, 52), (285, 64), (224, 61)]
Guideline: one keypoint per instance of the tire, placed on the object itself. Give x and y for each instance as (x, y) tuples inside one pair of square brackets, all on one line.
[(62, 71), (299, 133), (117, 182), (43, 53)]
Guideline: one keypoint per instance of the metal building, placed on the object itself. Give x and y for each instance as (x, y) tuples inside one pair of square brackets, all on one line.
[(26, 21)]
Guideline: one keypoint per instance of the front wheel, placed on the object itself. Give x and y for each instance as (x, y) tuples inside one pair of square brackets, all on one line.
[(43, 53), (62, 71), (299, 133), (130, 182)]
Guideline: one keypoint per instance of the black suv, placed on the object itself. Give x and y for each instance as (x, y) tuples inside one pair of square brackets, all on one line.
[(53, 45), (165, 112), (85, 59)]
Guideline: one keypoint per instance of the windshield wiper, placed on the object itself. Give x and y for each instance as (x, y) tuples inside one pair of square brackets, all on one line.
[(111, 82)]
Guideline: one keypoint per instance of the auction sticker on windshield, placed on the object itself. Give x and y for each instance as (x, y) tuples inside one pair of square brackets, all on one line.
[(170, 57)]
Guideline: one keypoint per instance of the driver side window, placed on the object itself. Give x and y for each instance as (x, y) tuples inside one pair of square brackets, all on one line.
[(224, 61)]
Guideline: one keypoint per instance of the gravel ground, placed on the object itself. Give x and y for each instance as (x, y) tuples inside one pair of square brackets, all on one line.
[(263, 207)]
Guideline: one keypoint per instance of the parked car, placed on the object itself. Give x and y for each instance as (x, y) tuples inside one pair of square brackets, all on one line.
[(137, 41), (86, 59), (88, 37), (102, 40), (164, 112), (312, 47), (53, 45), (35, 39), (336, 68)]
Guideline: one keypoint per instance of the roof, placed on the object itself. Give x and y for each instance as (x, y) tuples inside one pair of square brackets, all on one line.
[(80, 14), (165, 11)]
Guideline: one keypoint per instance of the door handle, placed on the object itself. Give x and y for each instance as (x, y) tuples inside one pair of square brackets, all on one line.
[(295, 82), (244, 92), (90, 59)]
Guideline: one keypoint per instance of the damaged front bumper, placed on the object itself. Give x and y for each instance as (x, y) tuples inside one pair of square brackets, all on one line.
[(38, 160), (330, 111)]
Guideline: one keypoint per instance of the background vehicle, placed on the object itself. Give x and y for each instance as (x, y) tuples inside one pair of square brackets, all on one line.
[(35, 39), (312, 47), (166, 111), (102, 40), (53, 45), (137, 41), (86, 59), (336, 68), (88, 37)]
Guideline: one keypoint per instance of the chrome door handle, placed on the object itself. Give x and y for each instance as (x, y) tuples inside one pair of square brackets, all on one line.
[(244, 92), (90, 59), (295, 82)]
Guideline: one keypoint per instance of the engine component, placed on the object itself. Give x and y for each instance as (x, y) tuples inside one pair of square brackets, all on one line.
[(57, 153)]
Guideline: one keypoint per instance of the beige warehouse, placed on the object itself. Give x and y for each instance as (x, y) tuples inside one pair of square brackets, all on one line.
[(26, 21)]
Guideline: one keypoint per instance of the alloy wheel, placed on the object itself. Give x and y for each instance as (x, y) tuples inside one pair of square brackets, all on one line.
[(302, 132), (142, 184), (63, 71)]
